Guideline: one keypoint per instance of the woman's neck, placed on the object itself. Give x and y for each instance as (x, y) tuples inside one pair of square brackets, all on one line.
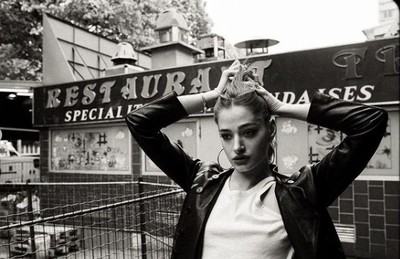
[(242, 181)]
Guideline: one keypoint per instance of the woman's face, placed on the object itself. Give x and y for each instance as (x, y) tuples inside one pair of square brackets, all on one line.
[(244, 137)]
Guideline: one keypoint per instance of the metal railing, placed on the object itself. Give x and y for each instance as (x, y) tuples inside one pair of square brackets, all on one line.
[(88, 220)]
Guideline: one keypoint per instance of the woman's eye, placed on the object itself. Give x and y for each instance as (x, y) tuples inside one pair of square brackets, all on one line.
[(226, 136), (249, 133)]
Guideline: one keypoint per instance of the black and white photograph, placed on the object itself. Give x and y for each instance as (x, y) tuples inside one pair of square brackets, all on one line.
[(199, 129)]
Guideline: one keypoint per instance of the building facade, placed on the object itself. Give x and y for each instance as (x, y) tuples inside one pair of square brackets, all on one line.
[(84, 137)]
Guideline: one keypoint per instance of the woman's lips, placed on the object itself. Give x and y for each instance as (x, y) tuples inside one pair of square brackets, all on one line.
[(240, 159)]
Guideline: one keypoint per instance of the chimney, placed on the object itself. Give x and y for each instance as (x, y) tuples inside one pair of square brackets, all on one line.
[(213, 46), (172, 46), (124, 61)]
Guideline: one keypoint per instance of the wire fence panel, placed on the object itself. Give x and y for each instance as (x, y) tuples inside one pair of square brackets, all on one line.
[(88, 220)]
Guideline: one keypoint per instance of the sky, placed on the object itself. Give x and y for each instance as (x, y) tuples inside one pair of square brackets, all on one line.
[(296, 24)]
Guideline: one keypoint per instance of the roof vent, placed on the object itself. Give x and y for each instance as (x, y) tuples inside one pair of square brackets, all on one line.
[(125, 54)]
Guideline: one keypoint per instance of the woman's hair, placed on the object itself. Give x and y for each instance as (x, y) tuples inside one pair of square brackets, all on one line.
[(241, 91)]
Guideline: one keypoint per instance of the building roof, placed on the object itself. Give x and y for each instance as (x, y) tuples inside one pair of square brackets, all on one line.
[(171, 43)]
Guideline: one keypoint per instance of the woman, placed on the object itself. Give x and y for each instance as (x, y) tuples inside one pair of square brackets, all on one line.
[(250, 210)]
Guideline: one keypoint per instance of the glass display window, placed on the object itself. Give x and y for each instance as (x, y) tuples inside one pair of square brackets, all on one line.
[(91, 150)]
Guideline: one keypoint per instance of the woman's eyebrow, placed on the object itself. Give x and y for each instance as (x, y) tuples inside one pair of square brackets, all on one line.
[(249, 124)]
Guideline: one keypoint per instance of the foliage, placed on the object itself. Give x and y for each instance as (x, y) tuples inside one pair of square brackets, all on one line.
[(131, 20), (119, 19), (21, 41)]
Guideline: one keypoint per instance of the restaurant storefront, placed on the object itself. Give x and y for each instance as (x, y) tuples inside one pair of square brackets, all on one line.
[(84, 138)]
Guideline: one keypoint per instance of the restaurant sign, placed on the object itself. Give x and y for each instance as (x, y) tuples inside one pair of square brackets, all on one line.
[(364, 72)]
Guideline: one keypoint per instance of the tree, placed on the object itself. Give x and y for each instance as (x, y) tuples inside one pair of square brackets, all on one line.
[(21, 41), (124, 19), (131, 20)]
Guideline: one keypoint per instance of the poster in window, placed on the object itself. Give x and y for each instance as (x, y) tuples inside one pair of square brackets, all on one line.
[(90, 149), (183, 133)]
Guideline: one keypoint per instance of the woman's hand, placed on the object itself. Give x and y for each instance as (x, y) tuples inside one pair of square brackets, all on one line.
[(295, 111), (226, 74), (274, 104), (192, 103)]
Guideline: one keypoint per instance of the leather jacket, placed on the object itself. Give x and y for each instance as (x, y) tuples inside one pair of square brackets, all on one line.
[(303, 198)]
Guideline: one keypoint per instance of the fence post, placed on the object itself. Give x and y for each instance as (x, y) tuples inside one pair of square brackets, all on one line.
[(142, 219), (30, 216)]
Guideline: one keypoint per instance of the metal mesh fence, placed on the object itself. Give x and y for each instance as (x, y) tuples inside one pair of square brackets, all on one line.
[(88, 220)]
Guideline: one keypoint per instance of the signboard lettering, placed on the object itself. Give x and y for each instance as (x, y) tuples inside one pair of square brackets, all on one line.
[(364, 72)]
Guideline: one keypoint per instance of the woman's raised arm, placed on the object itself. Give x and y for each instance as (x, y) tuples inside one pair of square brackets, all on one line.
[(196, 102)]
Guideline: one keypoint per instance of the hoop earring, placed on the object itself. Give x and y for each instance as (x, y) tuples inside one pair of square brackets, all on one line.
[(219, 153)]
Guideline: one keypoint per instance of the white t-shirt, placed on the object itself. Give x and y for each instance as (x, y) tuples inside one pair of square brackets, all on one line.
[(242, 225)]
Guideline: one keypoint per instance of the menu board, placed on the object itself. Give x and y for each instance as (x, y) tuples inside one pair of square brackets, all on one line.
[(100, 149)]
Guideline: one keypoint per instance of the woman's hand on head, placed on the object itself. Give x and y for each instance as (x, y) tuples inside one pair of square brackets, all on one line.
[(226, 74), (295, 111), (274, 104)]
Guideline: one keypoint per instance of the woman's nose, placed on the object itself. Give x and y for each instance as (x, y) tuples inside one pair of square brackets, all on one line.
[(238, 146)]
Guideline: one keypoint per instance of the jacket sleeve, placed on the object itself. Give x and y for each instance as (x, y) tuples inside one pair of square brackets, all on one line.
[(364, 127), (145, 124)]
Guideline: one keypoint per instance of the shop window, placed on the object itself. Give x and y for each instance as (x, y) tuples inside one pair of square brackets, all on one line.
[(313, 142), (185, 134), (382, 158), (291, 139), (91, 150), (321, 141), (384, 165)]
